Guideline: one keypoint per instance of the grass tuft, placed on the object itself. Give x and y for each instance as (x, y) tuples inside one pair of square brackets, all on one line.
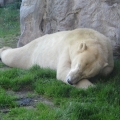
[(5, 99)]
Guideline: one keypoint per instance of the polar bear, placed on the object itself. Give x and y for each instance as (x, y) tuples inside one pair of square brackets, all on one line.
[(76, 55)]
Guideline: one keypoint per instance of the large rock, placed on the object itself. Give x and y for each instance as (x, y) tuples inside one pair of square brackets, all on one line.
[(39, 17)]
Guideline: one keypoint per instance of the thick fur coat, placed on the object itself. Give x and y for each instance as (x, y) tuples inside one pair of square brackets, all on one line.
[(75, 55)]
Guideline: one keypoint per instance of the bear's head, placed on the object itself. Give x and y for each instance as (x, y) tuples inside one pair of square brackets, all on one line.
[(87, 62)]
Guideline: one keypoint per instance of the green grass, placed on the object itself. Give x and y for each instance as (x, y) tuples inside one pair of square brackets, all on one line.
[(10, 20), (9, 26), (5, 99), (42, 112), (1, 65), (101, 102)]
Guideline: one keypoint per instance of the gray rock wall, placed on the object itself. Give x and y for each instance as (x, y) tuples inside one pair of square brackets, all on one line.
[(39, 17)]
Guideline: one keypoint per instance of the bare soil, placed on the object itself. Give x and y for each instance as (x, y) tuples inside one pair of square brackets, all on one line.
[(27, 99)]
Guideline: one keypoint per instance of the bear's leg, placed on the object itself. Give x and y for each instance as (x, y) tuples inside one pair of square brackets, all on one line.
[(62, 72), (2, 49), (84, 84), (63, 67)]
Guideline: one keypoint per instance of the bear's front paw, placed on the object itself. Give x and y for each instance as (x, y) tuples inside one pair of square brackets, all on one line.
[(84, 84)]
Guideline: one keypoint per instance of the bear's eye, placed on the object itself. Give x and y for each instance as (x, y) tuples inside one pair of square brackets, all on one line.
[(86, 64)]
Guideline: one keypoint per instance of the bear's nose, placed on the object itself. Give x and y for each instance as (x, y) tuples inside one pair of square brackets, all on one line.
[(68, 80)]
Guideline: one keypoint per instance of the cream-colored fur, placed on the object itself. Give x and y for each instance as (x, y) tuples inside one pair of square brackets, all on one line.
[(75, 55)]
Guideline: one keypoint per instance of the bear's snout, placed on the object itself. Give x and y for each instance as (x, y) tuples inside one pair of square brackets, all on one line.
[(69, 81), (73, 77)]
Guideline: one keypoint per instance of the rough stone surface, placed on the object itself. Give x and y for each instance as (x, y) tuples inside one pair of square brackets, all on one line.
[(39, 17)]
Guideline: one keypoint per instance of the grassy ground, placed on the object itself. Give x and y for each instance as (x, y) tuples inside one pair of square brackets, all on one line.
[(9, 26), (99, 103)]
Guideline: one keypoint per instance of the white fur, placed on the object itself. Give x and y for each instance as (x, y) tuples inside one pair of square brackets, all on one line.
[(62, 51)]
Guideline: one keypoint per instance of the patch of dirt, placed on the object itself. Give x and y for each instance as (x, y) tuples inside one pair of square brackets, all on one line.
[(27, 99)]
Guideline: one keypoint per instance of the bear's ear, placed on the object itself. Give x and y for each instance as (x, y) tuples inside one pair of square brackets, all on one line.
[(82, 47)]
